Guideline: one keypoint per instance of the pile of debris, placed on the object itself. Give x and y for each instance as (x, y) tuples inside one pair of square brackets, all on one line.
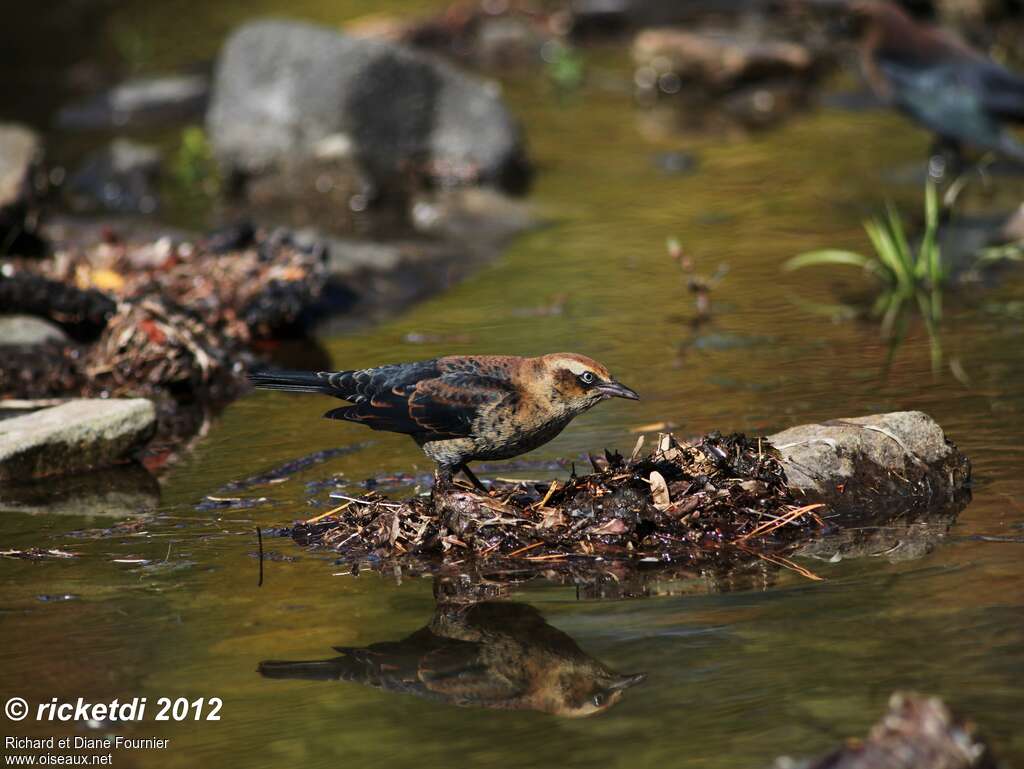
[(164, 320), (681, 503)]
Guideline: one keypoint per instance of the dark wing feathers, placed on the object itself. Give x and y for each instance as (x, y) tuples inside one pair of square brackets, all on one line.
[(424, 399), (432, 399), (435, 408)]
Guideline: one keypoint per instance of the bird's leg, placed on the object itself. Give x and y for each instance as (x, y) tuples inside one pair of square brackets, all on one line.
[(472, 478), (443, 478)]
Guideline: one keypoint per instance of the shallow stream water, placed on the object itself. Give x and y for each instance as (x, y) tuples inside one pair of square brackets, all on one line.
[(734, 677)]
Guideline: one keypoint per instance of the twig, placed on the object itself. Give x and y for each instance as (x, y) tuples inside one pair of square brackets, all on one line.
[(338, 509), (778, 523), (390, 505), (522, 550)]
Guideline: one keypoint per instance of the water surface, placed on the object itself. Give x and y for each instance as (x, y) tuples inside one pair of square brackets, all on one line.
[(734, 678)]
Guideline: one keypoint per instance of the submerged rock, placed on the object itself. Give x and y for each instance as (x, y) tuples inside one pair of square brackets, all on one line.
[(916, 733), (141, 101), (282, 89), (719, 59), (73, 437), (724, 76)]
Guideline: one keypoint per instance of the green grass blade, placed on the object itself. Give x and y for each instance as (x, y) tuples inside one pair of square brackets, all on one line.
[(886, 251), (827, 256), (929, 258)]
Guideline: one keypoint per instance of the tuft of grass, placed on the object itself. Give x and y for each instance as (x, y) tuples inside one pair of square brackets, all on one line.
[(906, 274)]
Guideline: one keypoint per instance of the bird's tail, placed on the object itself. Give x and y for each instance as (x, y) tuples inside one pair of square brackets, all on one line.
[(290, 381), (310, 670)]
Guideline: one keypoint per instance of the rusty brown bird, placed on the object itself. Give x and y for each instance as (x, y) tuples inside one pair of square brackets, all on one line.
[(463, 408)]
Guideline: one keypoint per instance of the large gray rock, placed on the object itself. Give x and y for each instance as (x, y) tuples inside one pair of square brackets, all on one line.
[(28, 331), (285, 92), (75, 436), (870, 466)]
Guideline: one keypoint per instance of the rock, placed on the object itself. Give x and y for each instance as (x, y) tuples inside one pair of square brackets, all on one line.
[(916, 733), (139, 102), (481, 37), (28, 331), (121, 177), (502, 41), (21, 155), (73, 437), (282, 89), (122, 491), (862, 467), (718, 59)]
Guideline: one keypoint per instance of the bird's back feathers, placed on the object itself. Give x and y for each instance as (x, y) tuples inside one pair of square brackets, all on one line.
[(432, 400)]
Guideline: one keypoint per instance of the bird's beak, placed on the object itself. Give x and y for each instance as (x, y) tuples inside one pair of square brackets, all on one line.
[(624, 682), (614, 389)]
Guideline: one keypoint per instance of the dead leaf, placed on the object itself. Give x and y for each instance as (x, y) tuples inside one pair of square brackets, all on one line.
[(659, 490), (614, 526), (653, 427)]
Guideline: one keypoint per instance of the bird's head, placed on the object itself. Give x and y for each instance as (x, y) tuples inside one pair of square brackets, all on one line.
[(584, 693), (875, 22), (577, 382), (848, 21)]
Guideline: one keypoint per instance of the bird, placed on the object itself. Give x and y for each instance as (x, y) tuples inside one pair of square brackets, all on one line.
[(462, 408), (500, 655), (955, 91)]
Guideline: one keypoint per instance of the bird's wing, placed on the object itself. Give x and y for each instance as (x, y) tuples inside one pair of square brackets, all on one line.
[(1002, 91), (944, 99), (440, 406), (458, 673)]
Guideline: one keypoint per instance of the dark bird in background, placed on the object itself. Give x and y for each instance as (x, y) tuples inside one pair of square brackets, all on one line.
[(497, 655), (956, 92), (464, 407)]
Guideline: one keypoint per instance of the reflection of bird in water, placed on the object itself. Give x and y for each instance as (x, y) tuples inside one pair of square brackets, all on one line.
[(958, 93), (496, 655)]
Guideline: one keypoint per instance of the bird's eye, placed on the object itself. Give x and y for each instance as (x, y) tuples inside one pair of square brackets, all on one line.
[(587, 378), (598, 700)]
